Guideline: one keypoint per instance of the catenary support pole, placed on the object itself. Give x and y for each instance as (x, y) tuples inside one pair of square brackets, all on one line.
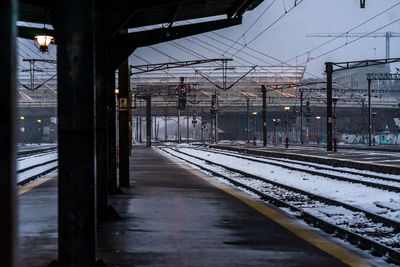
[(187, 125), (148, 121), (329, 115), (76, 146), (369, 114), (124, 87), (179, 127), (165, 127), (264, 114), (248, 119), (301, 117), (8, 212)]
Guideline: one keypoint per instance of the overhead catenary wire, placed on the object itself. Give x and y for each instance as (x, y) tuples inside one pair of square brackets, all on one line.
[(269, 26), (254, 22), (355, 40), (344, 33)]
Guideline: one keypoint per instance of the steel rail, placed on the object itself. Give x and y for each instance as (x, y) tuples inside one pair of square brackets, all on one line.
[(331, 176)]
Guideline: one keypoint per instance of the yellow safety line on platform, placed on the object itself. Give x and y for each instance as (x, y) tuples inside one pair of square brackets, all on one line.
[(28, 187), (301, 231)]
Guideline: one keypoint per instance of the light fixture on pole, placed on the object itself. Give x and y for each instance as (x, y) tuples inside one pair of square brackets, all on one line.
[(44, 41), (39, 131), (287, 127), (255, 126), (318, 118), (22, 130)]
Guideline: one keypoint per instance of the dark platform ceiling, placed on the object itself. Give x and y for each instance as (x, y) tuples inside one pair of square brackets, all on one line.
[(143, 13)]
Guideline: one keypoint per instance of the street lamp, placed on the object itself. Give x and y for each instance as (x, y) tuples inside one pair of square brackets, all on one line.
[(373, 127), (40, 130), (22, 130), (318, 118), (287, 127), (334, 100), (44, 41), (275, 123), (255, 125)]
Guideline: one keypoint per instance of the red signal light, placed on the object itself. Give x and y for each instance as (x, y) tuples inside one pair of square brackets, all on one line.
[(182, 89), (213, 106)]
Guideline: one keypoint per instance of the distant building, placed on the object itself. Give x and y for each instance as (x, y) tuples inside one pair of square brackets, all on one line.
[(357, 78)]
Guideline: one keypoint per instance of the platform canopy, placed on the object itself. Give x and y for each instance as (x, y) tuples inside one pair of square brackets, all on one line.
[(143, 13)]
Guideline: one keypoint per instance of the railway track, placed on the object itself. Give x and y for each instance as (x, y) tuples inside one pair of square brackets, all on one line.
[(36, 165), (25, 153), (368, 179), (360, 227)]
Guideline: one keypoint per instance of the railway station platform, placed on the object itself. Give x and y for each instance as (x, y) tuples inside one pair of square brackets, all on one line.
[(173, 215)]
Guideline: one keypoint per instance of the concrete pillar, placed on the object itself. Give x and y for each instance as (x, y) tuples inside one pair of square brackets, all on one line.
[(111, 135), (101, 116), (124, 148), (76, 129), (8, 214)]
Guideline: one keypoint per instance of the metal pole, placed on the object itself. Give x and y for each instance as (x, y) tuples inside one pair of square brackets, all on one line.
[(187, 125), (165, 127), (76, 146), (179, 127), (334, 127), (8, 200), (369, 114), (301, 117), (287, 129), (329, 71), (264, 115), (137, 129), (140, 129), (255, 129), (216, 118), (155, 128), (248, 120), (363, 119), (148, 121)]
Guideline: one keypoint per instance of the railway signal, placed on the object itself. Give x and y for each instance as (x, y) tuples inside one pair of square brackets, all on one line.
[(213, 109), (181, 92)]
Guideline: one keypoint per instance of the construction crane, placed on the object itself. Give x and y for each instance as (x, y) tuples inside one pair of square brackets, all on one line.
[(387, 35)]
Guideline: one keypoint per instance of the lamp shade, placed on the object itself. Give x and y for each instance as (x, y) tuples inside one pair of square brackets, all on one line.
[(44, 41)]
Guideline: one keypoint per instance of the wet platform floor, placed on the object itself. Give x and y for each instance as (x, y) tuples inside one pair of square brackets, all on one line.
[(170, 217)]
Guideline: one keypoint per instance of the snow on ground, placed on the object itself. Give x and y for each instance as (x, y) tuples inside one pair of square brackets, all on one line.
[(26, 162), (353, 194), (33, 160)]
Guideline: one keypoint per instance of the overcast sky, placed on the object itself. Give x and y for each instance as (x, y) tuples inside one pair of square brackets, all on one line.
[(287, 39)]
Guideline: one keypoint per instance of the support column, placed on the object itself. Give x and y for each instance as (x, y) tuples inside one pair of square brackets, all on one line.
[(76, 129), (148, 121), (8, 212), (124, 88), (101, 118), (264, 115), (111, 135), (329, 115)]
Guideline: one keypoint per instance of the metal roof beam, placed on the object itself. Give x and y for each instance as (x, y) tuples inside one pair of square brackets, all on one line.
[(122, 46)]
